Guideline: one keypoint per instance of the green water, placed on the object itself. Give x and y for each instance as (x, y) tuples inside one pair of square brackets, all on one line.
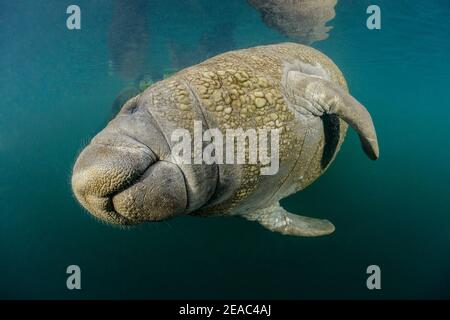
[(57, 89)]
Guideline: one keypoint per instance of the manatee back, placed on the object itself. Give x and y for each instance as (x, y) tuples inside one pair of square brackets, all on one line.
[(243, 89)]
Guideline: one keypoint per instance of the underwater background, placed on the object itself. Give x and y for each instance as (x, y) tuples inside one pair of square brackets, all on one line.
[(58, 87)]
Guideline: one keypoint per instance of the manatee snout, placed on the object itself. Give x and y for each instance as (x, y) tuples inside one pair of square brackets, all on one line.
[(120, 181), (157, 195)]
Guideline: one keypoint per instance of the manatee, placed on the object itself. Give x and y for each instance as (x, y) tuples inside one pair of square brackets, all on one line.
[(128, 173), (301, 20)]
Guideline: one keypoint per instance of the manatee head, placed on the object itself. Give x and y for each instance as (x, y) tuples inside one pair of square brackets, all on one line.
[(119, 176)]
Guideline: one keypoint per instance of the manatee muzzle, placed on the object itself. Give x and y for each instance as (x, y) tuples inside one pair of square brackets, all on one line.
[(121, 181)]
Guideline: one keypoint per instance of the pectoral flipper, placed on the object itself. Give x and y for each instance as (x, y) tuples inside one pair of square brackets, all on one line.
[(277, 219)]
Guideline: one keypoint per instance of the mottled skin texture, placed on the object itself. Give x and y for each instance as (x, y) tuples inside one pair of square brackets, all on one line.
[(128, 175)]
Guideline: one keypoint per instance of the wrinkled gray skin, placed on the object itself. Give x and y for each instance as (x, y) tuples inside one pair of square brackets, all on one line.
[(128, 175)]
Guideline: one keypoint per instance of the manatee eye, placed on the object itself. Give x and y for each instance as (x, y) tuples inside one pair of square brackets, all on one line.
[(131, 108)]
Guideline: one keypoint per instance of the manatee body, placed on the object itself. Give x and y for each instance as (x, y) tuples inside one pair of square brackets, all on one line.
[(128, 173)]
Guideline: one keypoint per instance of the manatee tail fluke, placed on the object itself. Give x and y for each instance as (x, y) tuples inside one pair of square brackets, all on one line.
[(327, 97), (351, 111)]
